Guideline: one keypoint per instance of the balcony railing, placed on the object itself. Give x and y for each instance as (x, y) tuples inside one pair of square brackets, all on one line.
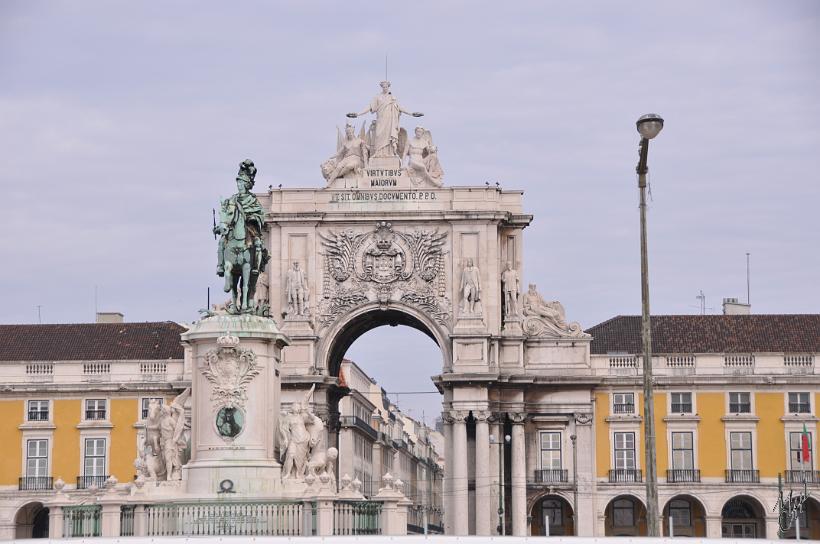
[(623, 408), (95, 414), (35, 483), (743, 476), (37, 415), (799, 408), (625, 475), (680, 475), (550, 475), (800, 476), (87, 482), (359, 423)]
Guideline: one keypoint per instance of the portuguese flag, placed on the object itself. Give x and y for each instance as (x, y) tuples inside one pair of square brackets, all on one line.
[(805, 439)]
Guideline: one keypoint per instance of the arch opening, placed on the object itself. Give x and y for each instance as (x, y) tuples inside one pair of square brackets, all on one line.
[(31, 521), (625, 516), (552, 515), (686, 516), (743, 517)]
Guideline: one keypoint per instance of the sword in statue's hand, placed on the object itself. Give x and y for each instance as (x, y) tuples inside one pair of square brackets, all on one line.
[(213, 211)]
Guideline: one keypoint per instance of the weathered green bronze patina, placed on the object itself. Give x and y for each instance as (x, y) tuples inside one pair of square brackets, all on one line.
[(242, 255)]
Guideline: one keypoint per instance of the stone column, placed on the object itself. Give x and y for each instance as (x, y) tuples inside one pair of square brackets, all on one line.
[(483, 503), (324, 517), (447, 488), (518, 476), (110, 518), (714, 528), (55, 521), (459, 485), (140, 520)]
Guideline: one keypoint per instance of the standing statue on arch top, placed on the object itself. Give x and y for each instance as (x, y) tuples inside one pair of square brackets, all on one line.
[(385, 134), (242, 255)]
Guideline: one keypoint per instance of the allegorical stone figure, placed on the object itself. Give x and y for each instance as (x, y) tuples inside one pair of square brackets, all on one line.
[(297, 290), (535, 305), (385, 134), (511, 286), (161, 452), (242, 255), (300, 437), (423, 161), (351, 156), (470, 287)]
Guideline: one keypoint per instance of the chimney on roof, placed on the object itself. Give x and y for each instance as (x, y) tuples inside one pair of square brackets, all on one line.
[(110, 317), (732, 307)]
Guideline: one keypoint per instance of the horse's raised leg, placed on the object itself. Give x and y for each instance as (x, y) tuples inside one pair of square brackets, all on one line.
[(228, 277)]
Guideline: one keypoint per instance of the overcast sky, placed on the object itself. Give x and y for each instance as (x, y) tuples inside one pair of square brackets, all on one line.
[(123, 122)]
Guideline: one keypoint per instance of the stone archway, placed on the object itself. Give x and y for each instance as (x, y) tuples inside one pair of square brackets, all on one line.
[(559, 512), (625, 516), (743, 517), (345, 332), (31, 521), (689, 516)]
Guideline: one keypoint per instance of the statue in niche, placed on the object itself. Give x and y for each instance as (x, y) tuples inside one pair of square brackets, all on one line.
[(423, 164), (296, 287), (470, 288), (301, 436), (241, 256), (160, 453), (511, 286), (536, 306), (385, 133), (351, 155)]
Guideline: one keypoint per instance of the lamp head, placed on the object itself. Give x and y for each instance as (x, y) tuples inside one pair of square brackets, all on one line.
[(649, 125)]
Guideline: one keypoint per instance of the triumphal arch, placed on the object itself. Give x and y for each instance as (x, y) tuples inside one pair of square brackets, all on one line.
[(389, 240)]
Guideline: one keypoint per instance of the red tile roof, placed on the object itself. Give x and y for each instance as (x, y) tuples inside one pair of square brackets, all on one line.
[(91, 342), (794, 333)]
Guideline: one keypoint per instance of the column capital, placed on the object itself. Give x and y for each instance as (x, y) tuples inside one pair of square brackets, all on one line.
[(459, 416), (517, 418), (483, 416), (582, 418)]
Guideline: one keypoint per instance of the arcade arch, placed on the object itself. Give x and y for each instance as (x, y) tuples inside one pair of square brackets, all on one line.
[(557, 510), (31, 521), (689, 516), (625, 516), (743, 517)]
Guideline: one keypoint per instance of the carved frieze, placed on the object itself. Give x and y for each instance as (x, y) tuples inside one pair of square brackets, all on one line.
[(383, 265), (230, 369)]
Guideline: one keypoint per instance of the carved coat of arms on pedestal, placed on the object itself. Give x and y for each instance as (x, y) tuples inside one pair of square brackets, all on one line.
[(230, 369), (384, 265)]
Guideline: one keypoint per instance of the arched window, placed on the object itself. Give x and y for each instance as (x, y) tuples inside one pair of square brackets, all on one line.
[(681, 512), (623, 513)]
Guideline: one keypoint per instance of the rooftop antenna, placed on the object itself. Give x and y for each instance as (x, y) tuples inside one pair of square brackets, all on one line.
[(748, 288), (702, 298), (39, 319), (95, 302)]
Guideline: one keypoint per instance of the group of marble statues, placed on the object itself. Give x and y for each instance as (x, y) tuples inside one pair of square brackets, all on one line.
[(384, 138), (161, 452), (515, 306), (302, 448)]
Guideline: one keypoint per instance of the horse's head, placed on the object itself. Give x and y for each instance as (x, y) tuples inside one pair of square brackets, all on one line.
[(154, 410)]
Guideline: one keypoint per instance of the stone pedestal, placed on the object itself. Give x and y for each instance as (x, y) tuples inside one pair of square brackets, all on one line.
[(235, 383)]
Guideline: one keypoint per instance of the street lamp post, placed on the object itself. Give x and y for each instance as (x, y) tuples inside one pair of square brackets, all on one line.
[(501, 518), (648, 127)]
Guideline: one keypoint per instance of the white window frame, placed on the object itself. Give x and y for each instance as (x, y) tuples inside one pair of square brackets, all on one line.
[(560, 449), (49, 410), (799, 414), (36, 434), (672, 450), (751, 411), (752, 448), (612, 403), (106, 457), (635, 451), (47, 457), (692, 396), (85, 409)]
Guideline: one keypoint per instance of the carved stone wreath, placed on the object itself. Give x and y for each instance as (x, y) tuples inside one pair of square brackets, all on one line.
[(230, 369), (384, 265)]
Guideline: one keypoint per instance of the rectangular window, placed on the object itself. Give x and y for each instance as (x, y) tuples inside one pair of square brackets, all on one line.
[(38, 410), (94, 462), (550, 451), (623, 513), (740, 445), (799, 403), (683, 457), (623, 403), (624, 450), (796, 461), (37, 458), (145, 404), (681, 403), (681, 513), (95, 409), (740, 403)]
